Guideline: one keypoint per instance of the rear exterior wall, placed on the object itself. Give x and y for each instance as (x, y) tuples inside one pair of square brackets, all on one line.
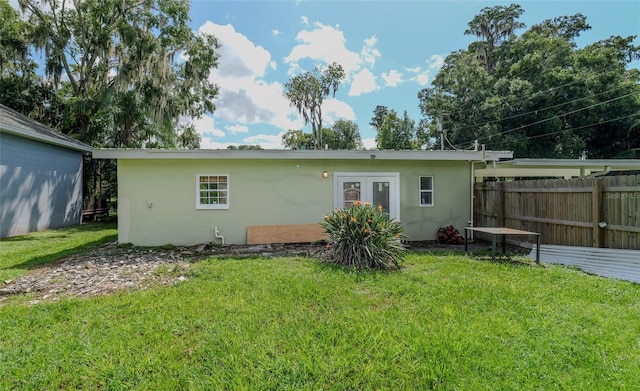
[(157, 197)]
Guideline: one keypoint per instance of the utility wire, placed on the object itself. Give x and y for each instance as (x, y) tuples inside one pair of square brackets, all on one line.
[(558, 116), (562, 115), (540, 110)]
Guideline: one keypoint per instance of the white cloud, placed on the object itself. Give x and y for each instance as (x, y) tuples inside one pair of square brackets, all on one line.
[(363, 82), (237, 128), (239, 57), (423, 77), (369, 143), (392, 78), (205, 127), (245, 97), (248, 99), (305, 20), (369, 53), (435, 62), (266, 141), (276, 33), (335, 109), (324, 45)]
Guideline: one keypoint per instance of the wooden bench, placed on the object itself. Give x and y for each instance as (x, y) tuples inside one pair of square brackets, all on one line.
[(289, 233), (95, 214)]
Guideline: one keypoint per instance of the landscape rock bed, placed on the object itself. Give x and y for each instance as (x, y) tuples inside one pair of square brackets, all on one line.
[(112, 268)]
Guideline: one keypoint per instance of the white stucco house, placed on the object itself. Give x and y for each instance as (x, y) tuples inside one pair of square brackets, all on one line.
[(185, 197)]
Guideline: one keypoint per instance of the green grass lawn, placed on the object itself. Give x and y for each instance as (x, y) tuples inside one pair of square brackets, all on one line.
[(19, 254), (446, 322)]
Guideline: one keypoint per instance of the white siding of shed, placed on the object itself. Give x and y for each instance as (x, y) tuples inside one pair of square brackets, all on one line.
[(40, 186)]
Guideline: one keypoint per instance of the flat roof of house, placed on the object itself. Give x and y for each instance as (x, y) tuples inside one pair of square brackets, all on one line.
[(576, 163), (566, 168), (19, 124), (299, 154)]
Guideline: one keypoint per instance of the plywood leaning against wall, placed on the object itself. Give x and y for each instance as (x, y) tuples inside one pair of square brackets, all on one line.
[(290, 233), (590, 212)]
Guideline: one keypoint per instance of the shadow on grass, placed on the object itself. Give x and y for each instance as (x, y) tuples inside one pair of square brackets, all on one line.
[(506, 259), (68, 231), (42, 260)]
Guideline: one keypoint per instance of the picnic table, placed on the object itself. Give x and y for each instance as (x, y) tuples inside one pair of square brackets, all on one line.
[(495, 231)]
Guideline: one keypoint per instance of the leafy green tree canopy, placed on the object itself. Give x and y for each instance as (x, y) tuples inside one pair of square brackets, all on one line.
[(342, 135), (538, 94), (132, 69), (396, 132), (20, 87)]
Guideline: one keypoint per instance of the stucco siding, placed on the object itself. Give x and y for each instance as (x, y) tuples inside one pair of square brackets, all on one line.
[(40, 186), (157, 198)]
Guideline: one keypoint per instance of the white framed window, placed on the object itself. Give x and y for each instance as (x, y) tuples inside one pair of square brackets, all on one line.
[(426, 191), (212, 191)]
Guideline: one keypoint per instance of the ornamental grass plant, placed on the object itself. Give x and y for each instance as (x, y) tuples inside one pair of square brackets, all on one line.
[(362, 236)]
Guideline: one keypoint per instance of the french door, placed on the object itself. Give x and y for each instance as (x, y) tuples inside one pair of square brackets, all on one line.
[(379, 189)]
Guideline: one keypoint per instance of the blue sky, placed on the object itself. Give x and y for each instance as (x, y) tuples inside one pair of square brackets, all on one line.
[(390, 50)]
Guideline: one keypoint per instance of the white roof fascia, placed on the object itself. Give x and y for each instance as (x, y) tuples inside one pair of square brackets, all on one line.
[(43, 138), (527, 172), (575, 163), (287, 154), (494, 156)]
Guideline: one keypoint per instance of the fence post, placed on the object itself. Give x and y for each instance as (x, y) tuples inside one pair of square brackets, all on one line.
[(596, 213)]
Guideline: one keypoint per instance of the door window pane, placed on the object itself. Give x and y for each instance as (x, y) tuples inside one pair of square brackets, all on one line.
[(380, 195), (351, 192)]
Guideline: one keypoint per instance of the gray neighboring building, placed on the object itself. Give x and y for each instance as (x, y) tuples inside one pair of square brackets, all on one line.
[(40, 176)]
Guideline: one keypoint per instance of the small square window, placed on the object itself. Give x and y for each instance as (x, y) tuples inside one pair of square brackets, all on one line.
[(426, 191), (212, 192)]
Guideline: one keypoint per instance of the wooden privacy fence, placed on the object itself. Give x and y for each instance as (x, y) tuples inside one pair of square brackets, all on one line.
[(588, 212)]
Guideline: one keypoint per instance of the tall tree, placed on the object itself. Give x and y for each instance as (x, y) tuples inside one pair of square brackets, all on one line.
[(379, 113), (397, 133), (544, 97), (493, 26), (131, 69), (344, 135), (307, 91), (20, 87)]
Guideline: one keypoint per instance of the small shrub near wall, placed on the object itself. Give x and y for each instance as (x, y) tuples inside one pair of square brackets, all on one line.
[(363, 237), (449, 235)]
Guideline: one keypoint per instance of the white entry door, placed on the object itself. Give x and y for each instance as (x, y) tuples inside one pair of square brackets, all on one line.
[(375, 188)]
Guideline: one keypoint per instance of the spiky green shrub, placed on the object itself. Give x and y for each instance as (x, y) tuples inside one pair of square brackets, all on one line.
[(363, 237)]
